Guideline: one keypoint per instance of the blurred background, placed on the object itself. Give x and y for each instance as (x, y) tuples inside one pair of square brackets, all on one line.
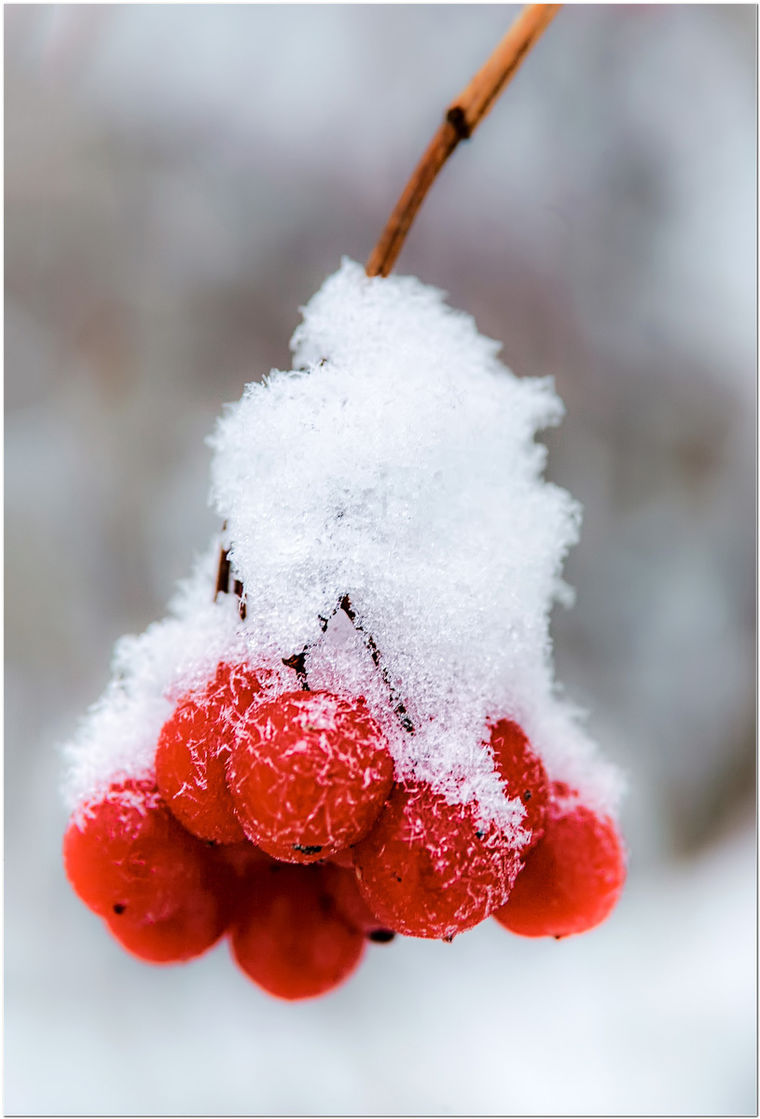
[(179, 180)]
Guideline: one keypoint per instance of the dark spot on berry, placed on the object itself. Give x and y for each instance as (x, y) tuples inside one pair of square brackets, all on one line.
[(527, 794), (381, 936), (119, 908), (480, 834), (308, 850), (447, 939), (212, 843), (397, 877)]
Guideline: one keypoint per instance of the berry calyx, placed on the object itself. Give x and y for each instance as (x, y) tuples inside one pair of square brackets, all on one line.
[(523, 774), (193, 748), (572, 878), (432, 869), (126, 854), (309, 773), (289, 936)]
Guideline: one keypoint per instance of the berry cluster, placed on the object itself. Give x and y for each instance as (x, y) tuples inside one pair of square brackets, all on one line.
[(278, 822)]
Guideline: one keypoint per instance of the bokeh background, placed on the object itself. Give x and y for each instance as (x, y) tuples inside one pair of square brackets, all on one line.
[(179, 179)]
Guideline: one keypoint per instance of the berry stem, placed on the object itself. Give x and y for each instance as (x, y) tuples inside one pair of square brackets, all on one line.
[(462, 117), (223, 573), (399, 707)]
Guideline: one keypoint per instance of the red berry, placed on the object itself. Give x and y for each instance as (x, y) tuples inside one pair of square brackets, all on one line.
[(309, 773), (243, 857), (238, 861), (188, 932), (344, 858), (192, 752), (126, 854), (344, 888), (523, 774), (289, 936), (429, 868), (572, 878)]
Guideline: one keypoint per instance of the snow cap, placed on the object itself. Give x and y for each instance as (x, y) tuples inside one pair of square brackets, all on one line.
[(396, 464)]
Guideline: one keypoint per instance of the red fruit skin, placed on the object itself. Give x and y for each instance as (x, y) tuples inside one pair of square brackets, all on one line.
[(350, 903), (238, 861), (431, 869), (243, 857), (193, 748), (189, 932), (126, 854), (572, 879), (344, 858), (523, 775), (288, 935), (309, 773)]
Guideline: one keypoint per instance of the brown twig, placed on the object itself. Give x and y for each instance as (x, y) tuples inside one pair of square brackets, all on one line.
[(223, 573), (399, 707), (462, 117), (238, 589), (223, 581)]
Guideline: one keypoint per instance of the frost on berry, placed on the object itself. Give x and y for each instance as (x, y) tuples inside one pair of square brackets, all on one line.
[(289, 936), (574, 876), (309, 773), (193, 749), (126, 856), (432, 869), (523, 774)]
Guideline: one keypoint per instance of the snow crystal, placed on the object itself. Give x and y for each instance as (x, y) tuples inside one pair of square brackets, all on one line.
[(396, 464), (387, 515)]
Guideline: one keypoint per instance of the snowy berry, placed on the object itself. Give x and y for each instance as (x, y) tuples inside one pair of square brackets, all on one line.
[(289, 937), (309, 773), (125, 854), (522, 772), (193, 748), (432, 869), (572, 878)]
